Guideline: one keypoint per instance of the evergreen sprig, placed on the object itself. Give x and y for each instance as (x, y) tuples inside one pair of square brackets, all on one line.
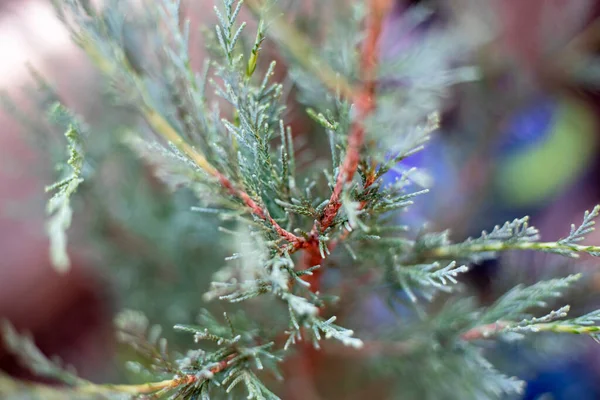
[(428, 279), (221, 135), (518, 235), (584, 325), (577, 234), (514, 304)]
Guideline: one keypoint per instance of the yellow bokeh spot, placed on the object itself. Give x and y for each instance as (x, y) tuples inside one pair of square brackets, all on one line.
[(529, 177)]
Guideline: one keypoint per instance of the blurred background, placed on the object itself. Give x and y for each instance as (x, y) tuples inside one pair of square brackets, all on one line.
[(520, 140)]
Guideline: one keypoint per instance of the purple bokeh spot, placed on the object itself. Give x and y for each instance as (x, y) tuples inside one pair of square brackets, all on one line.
[(528, 127)]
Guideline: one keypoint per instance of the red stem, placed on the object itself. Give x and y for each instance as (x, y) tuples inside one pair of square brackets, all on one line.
[(257, 210), (365, 104), (483, 331), (364, 100)]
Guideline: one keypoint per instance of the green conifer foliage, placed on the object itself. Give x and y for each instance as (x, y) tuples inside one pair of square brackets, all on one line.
[(306, 237)]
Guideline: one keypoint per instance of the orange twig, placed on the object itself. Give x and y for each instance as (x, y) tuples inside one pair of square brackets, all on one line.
[(149, 388), (365, 103), (483, 331), (161, 126), (364, 100), (257, 210)]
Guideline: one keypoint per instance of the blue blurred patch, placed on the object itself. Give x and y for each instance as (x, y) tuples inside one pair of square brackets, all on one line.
[(563, 381), (528, 127)]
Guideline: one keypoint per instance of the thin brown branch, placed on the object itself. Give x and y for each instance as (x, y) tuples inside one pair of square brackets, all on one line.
[(154, 387), (484, 331), (227, 184), (364, 99), (257, 210), (161, 126), (365, 104), (368, 182)]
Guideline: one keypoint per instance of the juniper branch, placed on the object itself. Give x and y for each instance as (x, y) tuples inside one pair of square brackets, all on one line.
[(161, 126), (144, 388), (518, 235), (365, 103), (490, 330), (152, 387), (158, 123), (272, 270), (460, 249)]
